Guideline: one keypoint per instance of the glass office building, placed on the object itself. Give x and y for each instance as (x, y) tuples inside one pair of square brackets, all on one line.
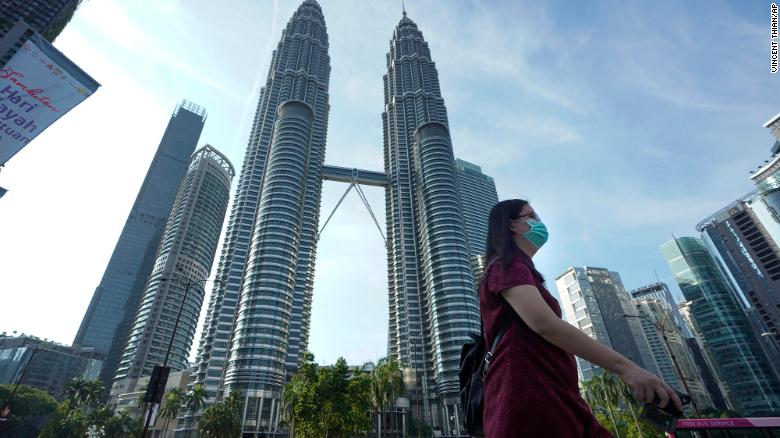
[(477, 197), (727, 336), (594, 300), (41, 364), (176, 287), (257, 323), (250, 347), (432, 304), (115, 301)]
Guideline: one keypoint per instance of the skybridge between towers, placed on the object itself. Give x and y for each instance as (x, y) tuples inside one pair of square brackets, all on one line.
[(355, 178)]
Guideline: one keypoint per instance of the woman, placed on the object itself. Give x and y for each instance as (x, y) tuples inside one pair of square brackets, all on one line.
[(531, 386)]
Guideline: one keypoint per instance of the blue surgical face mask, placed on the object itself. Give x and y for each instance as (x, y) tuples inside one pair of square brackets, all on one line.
[(537, 233)]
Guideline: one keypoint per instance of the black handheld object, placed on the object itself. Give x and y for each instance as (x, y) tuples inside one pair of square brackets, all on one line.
[(664, 418)]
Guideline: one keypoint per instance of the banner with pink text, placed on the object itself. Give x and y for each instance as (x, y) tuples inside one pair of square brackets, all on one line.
[(38, 85)]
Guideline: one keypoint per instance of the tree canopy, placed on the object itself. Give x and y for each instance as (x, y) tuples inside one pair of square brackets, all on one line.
[(327, 402)]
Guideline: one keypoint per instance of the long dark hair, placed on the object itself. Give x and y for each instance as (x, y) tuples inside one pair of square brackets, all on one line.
[(500, 242)]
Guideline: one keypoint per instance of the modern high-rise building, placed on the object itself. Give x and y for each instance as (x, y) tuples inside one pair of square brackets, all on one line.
[(660, 292), (478, 195), (712, 385), (257, 324), (749, 258), (595, 301), (42, 364), (432, 304), (676, 365), (725, 331), (47, 17), (174, 292), (115, 301), (250, 344)]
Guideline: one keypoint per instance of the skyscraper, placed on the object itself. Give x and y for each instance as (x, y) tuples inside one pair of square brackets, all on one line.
[(432, 304), (717, 316), (115, 301), (750, 259), (249, 347), (594, 300), (660, 292), (47, 17), (181, 267), (257, 324), (477, 197), (676, 366)]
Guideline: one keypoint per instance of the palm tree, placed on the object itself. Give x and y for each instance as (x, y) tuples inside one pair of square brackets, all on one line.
[(625, 392), (287, 408), (172, 401), (395, 385), (195, 399), (387, 384), (75, 391), (234, 401), (598, 397), (379, 393), (140, 403), (223, 419), (93, 390)]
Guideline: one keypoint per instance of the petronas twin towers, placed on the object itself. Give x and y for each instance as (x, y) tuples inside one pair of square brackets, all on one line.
[(257, 324)]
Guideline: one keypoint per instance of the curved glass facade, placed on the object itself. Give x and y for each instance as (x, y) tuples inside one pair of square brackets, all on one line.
[(432, 304), (477, 197), (299, 71), (257, 323), (261, 335), (725, 330), (183, 262), (110, 314), (446, 264)]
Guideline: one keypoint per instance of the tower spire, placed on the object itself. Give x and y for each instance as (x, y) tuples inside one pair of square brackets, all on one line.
[(403, 7)]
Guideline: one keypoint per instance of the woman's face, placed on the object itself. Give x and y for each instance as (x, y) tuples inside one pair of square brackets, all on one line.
[(520, 224)]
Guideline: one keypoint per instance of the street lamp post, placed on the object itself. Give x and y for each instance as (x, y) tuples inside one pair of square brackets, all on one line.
[(661, 327), (164, 378)]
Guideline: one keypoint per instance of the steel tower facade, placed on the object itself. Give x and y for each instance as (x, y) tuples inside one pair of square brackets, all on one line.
[(110, 314), (257, 322), (432, 304), (183, 262)]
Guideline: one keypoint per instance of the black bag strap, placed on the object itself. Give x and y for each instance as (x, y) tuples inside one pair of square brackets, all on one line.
[(505, 323)]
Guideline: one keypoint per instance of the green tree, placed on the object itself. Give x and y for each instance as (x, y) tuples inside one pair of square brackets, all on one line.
[(359, 401), (123, 425), (65, 422), (172, 401), (196, 398), (93, 390), (615, 407), (288, 403), (29, 409), (327, 402), (139, 400), (75, 392), (223, 419), (387, 384)]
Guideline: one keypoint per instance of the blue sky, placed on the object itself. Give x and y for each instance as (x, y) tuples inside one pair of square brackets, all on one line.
[(622, 122)]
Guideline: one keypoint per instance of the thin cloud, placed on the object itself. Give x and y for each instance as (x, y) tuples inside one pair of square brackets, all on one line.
[(112, 21)]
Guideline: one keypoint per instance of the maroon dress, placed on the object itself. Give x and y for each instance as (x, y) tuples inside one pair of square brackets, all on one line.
[(531, 387)]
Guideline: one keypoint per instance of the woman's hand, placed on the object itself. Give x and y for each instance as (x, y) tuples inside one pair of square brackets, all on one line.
[(646, 386)]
